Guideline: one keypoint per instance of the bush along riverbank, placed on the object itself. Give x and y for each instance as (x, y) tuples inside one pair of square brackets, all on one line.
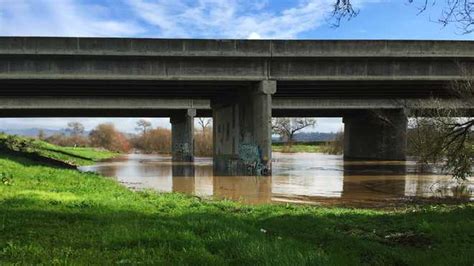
[(51, 215)]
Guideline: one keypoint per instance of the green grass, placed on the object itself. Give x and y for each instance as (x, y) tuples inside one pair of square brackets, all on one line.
[(55, 216), (77, 156), (296, 148)]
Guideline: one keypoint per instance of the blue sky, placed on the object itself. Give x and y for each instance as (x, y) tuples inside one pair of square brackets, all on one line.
[(255, 19), (270, 19)]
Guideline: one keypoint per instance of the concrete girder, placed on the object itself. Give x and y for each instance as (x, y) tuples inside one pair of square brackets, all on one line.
[(161, 107), (33, 58), (233, 48)]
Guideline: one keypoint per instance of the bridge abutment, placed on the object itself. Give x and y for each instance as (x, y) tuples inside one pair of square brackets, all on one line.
[(182, 135), (375, 135), (242, 131)]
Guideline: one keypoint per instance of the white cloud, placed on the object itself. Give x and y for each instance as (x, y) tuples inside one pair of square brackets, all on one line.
[(61, 18), (230, 18), (254, 36), (165, 18), (234, 18)]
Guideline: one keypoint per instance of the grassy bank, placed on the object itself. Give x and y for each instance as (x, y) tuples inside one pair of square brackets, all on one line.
[(76, 156), (55, 216), (298, 147)]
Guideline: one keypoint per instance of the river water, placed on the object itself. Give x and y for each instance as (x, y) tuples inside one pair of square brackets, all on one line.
[(309, 178)]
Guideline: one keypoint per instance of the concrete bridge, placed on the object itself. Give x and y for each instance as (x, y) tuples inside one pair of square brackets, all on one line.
[(373, 85)]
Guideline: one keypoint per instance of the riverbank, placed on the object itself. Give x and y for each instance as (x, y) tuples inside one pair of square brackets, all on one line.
[(285, 148), (47, 153), (51, 215)]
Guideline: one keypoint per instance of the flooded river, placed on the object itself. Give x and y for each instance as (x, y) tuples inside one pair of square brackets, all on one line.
[(309, 178)]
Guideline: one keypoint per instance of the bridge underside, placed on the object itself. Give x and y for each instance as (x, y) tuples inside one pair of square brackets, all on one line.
[(240, 83), (198, 89), (155, 98), (241, 111)]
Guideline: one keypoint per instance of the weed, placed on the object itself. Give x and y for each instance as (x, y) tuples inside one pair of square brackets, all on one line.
[(6, 179)]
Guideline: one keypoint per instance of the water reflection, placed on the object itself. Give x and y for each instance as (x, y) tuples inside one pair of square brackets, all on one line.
[(305, 178), (249, 189)]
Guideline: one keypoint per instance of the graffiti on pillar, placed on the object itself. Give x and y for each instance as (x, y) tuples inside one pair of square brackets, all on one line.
[(182, 150), (251, 156)]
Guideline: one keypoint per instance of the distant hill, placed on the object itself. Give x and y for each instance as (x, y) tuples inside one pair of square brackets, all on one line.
[(31, 132), (311, 137), (299, 137)]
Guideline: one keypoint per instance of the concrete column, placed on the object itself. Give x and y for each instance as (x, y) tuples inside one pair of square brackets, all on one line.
[(242, 131), (375, 135), (182, 135)]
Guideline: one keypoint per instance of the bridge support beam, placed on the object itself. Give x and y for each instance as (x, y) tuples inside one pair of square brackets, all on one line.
[(242, 131), (182, 135), (375, 135)]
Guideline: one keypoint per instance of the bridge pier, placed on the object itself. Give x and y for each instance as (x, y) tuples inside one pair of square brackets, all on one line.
[(242, 131), (182, 135), (375, 135)]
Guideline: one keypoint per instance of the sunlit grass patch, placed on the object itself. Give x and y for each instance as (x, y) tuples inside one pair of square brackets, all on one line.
[(71, 155), (51, 215)]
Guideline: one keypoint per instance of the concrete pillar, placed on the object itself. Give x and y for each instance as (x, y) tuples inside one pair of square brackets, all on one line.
[(375, 135), (242, 131), (182, 135)]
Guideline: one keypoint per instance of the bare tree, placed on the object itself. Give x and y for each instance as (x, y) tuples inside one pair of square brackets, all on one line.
[(75, 129), (204, 123), (457, 12), (287, 127), (203, 139), (343, 9), (447, 132), (143, 126)]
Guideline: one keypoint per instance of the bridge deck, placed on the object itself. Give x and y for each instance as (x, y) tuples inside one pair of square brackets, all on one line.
[(368, 73)]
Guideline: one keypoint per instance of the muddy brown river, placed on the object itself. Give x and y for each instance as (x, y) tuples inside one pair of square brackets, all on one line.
[(308, 178)]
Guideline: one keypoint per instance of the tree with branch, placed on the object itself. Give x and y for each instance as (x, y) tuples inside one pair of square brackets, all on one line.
[(143, 126), (76, 134), (447, 133), (287, 127), (204, 123), (75, 129), (457, 12)]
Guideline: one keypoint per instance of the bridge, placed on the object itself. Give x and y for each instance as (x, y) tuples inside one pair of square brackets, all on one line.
[(373, 85)]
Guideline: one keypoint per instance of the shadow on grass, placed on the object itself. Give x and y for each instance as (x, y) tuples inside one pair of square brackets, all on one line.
[(31, 159), (33, 231), (70, 154), (51, 226)]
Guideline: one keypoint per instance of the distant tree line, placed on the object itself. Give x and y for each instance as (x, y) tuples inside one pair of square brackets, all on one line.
[(104, 136), (146, 140)]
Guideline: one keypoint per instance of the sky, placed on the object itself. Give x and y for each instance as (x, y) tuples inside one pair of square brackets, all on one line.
[(215, 19)]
